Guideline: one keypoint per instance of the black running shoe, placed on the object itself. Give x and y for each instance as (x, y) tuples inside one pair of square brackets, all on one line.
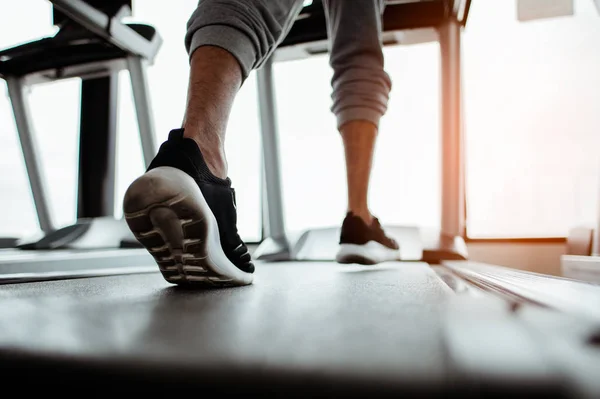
[(186, 218), (364, 244)]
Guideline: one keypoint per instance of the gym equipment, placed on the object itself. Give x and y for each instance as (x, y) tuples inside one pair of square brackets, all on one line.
[(460, 328), (310, 329), (96, 230), (582, 260), (92, 44), (404, 22), (42, 264)]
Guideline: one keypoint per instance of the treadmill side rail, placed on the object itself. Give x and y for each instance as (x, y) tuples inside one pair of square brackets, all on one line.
[(110, 29)]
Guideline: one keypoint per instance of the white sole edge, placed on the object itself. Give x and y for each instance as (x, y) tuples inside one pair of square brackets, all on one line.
[(368, 254), (168, 214)]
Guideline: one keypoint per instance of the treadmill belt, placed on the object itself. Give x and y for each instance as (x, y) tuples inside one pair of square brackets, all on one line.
[(302, 329), (378, 325)]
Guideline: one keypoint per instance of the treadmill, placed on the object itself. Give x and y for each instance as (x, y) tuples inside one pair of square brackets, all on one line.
[(405, 22), (445, 328), (93, 44)]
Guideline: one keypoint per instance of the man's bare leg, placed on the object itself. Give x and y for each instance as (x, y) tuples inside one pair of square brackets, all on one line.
[(360, 94), (215, 79), (359, 144), (183, 209)]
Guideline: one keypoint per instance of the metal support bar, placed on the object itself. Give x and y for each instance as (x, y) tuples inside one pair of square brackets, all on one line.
[(460, 8), (264, 208), (143, 107), (270, 145), (97, 146), (596, 236), (452, 223), (110, 29), (30, 152)]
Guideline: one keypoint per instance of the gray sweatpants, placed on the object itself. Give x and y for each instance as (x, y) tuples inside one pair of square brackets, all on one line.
[(251, 30)]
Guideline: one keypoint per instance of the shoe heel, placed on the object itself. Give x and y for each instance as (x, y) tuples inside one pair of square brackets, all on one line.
[(168, 215)]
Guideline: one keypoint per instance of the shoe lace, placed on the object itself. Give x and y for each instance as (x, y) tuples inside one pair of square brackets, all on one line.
[(381, 235)]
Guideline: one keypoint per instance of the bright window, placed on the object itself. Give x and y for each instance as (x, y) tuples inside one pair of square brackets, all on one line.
[(55, 109), (531, 121), (406, 174), (532, 102)]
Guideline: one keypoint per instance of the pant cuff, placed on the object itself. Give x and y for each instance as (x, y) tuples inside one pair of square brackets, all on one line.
[(229, 39), (357, 114)]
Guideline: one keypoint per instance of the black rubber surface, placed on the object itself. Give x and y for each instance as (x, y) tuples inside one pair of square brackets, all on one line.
[(302, 329), (309, 324)]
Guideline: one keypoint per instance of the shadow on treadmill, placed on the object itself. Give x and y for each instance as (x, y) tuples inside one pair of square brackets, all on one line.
[(88, 233)]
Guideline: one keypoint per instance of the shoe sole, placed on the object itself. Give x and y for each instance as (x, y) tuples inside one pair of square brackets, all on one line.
[(370, 253), (167, 213)]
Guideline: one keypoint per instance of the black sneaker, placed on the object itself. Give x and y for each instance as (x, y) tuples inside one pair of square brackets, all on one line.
[(364, 244), (186, 218)]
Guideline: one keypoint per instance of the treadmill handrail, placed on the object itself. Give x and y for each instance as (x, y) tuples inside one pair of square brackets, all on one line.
[(460, 9), (110, 29)]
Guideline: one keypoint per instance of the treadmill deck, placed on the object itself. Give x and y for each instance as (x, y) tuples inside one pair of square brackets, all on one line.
[(301, 327)]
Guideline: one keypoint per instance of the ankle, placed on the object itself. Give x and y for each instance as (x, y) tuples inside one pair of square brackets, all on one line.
[(215, 160), (358, 129), (364, 214), (212, 153)]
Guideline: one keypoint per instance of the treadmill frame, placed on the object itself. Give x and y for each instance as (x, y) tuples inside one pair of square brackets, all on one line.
[(97, 147), (449, 245)]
